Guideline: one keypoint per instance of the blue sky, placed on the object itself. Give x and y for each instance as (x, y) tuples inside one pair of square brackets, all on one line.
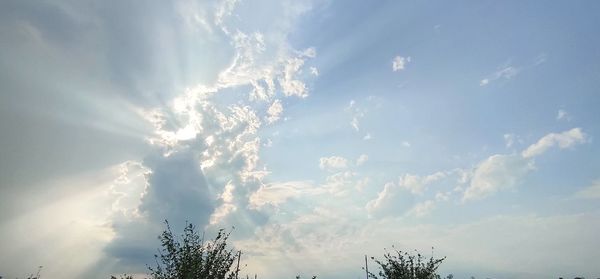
[(321, 130)]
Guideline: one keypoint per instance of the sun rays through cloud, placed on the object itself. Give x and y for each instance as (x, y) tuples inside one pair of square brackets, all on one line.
[(318, 131)]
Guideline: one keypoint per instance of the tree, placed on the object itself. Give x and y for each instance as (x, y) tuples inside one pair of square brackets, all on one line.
[(402, 265), (192, 257)]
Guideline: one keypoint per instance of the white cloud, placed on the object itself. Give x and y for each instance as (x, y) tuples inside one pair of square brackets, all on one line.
[(406, 144), (314, 71), (275, 194), (333, 163), (223, 11), (362, 183), (383, 199), (506, 73), (391, 200), (499, 172), (274, 111), (509, 140), (357, 111), (351, 104), (354, 123), (421, 209), (483, 244), (367, 136), (590, 192), (289, 84), (310, 52), (562, 115), (417, 184), (399, 63), (129, 187), (341, 183), (562, 140), (496, 173), (441, 196), (228, 206), (362, 159)]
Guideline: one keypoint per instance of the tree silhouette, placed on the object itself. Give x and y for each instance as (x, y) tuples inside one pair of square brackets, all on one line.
[(192, 257), (402, 265)]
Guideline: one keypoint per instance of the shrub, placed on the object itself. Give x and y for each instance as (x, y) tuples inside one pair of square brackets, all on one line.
[(192, 257), (402, 265)]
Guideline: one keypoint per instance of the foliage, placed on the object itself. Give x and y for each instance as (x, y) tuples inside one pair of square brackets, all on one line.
[(192, 257), (37, 276), (402, 265)]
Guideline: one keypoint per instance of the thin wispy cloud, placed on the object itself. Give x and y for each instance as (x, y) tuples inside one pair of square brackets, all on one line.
[(590, 192), (333, 163), (563, 115), (503, 73)]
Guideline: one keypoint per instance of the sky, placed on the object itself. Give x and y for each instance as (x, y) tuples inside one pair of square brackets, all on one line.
[(322, 131)]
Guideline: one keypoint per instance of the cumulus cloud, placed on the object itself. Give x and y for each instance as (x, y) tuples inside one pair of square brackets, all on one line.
[(274, 111), (362, 159), (341, 183), (496, 173), (562, 140), (333, 163), (421, 209), (417, 184), (394, 200), (441, 196), (384, 199), (129, 187), (399, 63), (289, 84), (228, 204), (499, 172)]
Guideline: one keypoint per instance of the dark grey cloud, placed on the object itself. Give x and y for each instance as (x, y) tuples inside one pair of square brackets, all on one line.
[(177, 191)]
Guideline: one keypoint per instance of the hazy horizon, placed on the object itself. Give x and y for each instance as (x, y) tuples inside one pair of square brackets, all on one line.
[(321, 130)]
